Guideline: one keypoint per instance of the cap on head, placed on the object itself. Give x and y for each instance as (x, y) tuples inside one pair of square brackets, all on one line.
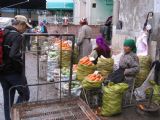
[(23, 19), (83, 21)]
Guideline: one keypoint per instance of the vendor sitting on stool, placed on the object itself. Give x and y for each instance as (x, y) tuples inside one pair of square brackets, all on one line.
[(101, 49), (128, 65), (129, 61)]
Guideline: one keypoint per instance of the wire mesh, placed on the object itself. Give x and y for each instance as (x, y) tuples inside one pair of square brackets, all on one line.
[(67, 109), (46, 106)]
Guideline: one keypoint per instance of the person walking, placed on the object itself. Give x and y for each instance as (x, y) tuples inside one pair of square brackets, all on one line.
[(13, 70), (106, 30), (84, 39)]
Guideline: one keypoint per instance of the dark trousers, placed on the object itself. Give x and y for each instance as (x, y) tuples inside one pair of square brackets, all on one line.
[(8, 81), (27, 44)]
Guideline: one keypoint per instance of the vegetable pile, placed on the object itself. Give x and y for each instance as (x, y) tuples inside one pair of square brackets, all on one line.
[(85, 61), (112, 98), (85, 67), (145, 64), (105, 66), (92, 81)]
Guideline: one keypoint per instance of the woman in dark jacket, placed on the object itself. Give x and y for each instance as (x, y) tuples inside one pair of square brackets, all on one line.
[(106, 30), (101, 49)]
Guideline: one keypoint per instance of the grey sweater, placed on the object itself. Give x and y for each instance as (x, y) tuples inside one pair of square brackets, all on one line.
[(130, 63)]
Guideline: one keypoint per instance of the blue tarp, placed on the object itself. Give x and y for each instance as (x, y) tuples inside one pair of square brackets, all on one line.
[(60, 4)]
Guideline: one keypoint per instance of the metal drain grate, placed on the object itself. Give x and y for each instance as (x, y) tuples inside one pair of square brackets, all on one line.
[(70, 109)]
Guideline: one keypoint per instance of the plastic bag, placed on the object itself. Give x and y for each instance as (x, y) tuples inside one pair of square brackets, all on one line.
[(112, 98)]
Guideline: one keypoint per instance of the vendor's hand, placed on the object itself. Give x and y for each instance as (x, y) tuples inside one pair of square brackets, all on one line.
[(75, 45), (91, 58)]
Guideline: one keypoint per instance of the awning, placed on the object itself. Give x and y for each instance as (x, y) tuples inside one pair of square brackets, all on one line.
[(60, 4), (24, 4)]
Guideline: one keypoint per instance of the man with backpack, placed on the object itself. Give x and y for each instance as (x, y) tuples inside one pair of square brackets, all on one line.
[(12, 76)]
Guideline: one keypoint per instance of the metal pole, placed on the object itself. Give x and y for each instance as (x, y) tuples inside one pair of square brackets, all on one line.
[(16, 4), (60, 67), (38, 52), (71, 65)]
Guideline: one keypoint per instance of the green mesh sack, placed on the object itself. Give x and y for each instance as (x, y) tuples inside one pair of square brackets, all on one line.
[(84, 70), (141, 77), (105, 66), (66, 58), (156, 92), (89, 84), (145, 62), (145, 65), (112, 98)]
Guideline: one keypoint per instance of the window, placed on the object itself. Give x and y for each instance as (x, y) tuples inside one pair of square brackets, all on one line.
[(94, 5)]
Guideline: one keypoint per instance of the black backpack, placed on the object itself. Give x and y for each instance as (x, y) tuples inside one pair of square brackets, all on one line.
[(1, 48)]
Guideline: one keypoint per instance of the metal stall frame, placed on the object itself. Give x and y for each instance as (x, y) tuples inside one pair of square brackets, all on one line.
[(38, 78), (71, 57), (79, 111)]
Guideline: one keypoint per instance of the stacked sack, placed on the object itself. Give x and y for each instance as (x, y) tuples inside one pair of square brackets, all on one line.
[(145, 64), (66, 54), (112, 98), (66, 58), (92, 81), (105, 66), (85, 67), (156, 92)]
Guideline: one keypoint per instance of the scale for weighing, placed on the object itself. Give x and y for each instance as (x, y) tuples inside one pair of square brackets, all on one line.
[(148, 107)]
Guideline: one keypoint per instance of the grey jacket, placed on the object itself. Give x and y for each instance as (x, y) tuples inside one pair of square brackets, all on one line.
[(84, 41), (130, 63)]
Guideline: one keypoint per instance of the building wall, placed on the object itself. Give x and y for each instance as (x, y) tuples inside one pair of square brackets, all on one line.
[(72, 29), (101, 12), (98, 15), (133, 14)]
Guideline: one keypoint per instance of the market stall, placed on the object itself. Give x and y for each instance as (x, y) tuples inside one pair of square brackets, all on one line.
[(57, 53)]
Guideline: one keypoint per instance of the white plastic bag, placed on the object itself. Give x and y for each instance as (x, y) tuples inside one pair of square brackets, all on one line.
[(116, 59)]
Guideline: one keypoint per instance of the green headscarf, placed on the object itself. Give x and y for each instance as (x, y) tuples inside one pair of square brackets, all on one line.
[(130, 43)]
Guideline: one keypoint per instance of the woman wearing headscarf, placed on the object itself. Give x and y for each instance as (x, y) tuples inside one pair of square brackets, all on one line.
[(128, 65), (101, 49), (84, 39), (129, 61)]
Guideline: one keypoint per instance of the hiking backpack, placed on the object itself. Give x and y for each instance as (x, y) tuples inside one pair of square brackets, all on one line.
[(1, 46), (2, 38)]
